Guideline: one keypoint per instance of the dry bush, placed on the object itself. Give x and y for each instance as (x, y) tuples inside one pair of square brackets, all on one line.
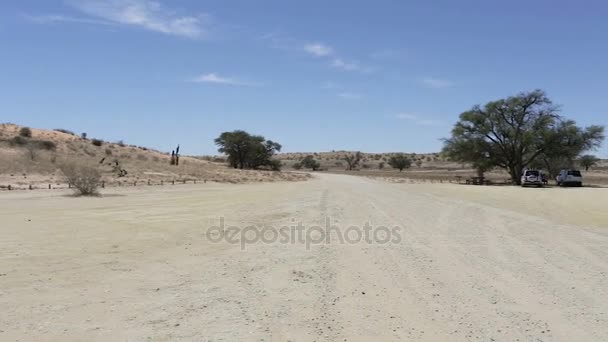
[(61, 130), (97, 142), (46, 145), (25, 132), (86, 179)]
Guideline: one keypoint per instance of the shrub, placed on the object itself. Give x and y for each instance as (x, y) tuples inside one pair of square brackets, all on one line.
[(65, 131), (85, 179), (108, 152), (121, 143), (297, 166), (84, 135), (310, 163), (400, 161), (97, 142), (25, 132), (46, 145), (274, 164), (18, 140)]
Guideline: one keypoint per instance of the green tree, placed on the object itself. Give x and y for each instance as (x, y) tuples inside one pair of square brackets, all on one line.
[(309, 162), (248, 151), (516, 132), (588, 161), (564, 143), (400, 161)]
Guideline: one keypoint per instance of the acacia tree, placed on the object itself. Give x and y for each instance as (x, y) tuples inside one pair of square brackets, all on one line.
[(248, 151), (515, 132), (352, 160), (587, 161), (309, 162), (400, 161), (564, 143)]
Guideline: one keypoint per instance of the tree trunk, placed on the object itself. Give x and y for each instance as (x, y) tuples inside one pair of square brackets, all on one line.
[(515, 174)]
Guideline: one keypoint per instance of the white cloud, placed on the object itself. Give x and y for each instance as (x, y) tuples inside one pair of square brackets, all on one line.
[(53, 18), (146, 14), (339, 63), (349, 96), (417, 120), (214, 78), (436, 83), (318, 49)]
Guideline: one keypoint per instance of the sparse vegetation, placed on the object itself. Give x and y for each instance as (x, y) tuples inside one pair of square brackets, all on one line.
[(85, 179), (97, 142)]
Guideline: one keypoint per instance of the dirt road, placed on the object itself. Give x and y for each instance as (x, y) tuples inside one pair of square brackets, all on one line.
[(462, 264)]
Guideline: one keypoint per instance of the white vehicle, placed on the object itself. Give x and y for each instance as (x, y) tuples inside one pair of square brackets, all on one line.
[(569, 177), (531, 177)]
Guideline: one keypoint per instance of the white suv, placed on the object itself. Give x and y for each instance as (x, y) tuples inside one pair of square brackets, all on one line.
[(531, 177), (569, 177)]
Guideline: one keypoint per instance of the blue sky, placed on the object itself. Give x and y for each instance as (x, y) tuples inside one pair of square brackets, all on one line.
[(314, 75)]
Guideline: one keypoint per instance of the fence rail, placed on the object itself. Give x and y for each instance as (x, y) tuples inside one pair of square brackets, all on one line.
[(103, 185)]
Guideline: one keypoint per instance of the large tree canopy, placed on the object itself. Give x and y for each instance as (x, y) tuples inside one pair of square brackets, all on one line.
[(517, 132), (248, 151)]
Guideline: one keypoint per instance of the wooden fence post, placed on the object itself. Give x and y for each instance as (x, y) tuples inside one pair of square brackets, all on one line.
[(10, 187), (162, 182), (149, 182), (50, 188), (135, 183), (31, 187), (173, 182), (103, 184)]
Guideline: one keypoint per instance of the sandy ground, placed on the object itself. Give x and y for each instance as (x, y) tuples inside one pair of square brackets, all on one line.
[(466, 264)]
